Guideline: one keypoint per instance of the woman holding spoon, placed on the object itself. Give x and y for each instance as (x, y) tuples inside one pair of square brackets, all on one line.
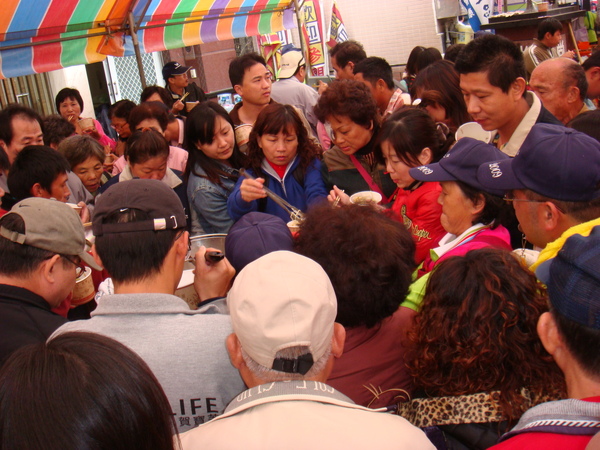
[(283, 158)]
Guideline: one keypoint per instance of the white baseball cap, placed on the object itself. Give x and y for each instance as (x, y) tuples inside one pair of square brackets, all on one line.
[(283, 300)]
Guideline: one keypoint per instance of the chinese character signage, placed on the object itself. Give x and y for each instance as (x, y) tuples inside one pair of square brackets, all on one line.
[(311, 31), (337, 29)]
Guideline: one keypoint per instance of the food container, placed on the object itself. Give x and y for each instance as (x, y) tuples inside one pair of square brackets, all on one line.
[(365, 198), (294, 226), (475, 131), (86, 123), (84, 290), (75, 207), (216, 240), (190, 105)]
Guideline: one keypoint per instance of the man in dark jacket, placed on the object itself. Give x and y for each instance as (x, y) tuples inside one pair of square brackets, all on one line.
[(42, 246)]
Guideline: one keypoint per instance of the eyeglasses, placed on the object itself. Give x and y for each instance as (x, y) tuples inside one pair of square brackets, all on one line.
[(77, 262), (509, 197)]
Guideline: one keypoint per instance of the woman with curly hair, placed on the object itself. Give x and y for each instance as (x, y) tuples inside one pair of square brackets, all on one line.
[(349, 109), (282, 157), (437, 86), (212, 167), (476, 355)]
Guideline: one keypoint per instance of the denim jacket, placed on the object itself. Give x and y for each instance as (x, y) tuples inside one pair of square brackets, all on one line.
[(208, 203)]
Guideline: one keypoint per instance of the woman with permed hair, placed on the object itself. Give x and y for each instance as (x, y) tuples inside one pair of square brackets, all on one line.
[(369, 259), (282, 157), (349, 109), (212, 167), (438, 88), (476, 355), (83, 391)]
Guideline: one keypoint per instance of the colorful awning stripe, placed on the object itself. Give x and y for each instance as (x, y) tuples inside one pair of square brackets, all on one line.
[(42, 35)]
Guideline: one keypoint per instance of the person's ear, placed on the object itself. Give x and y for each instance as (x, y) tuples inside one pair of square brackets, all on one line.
[(351, 65), (234, 349), (548, 333), (380, 85), (478, 204), (182, 244), (48, 268), (426, 156), (518, 87), (549, 216), (573, 94), (38, 191), (96, 256), (238, 90), (338, 339)]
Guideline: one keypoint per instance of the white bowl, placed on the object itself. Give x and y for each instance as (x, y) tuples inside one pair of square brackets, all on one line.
[(365, 198)]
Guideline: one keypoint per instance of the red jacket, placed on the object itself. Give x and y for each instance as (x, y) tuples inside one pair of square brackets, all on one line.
[(420, 212)]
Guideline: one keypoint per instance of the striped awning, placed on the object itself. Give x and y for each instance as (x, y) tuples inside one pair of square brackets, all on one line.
[(42, 35)]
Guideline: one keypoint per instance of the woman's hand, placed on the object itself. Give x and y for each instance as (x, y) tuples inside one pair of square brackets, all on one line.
[(252, 189), (92, 131), (336, 193)]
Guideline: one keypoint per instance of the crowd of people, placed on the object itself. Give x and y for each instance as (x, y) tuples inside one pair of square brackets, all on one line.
[(457, 312)]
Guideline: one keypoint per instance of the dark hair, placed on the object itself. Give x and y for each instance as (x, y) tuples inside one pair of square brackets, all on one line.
[(200, 128), (574, 75), (121, 109), (374, 69), (409, 130), (165, 97), (67, 93), (476, 331), (347, 51), (411, 63), (131, 257), (588, 123), (368, 257), (580, 211), (82, 390), (499, 57), (452, 52), (275, 118), (348, 98), (144, 145), (428, 56), (35, 164), (239, 66), (146, 111), (548, 26), (77, 149), (15, 111), (592, 61), (57, 129), (19, 260), (495, 212), (439, 83), (581, 342)]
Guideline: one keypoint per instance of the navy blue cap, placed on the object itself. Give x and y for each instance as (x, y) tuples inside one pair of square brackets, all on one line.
[(173, 68), (554, 161), (573, 279), (461, 164), (255, 235)]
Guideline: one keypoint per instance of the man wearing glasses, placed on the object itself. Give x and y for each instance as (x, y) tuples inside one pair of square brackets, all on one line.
[(42, 247), (553, 184)]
